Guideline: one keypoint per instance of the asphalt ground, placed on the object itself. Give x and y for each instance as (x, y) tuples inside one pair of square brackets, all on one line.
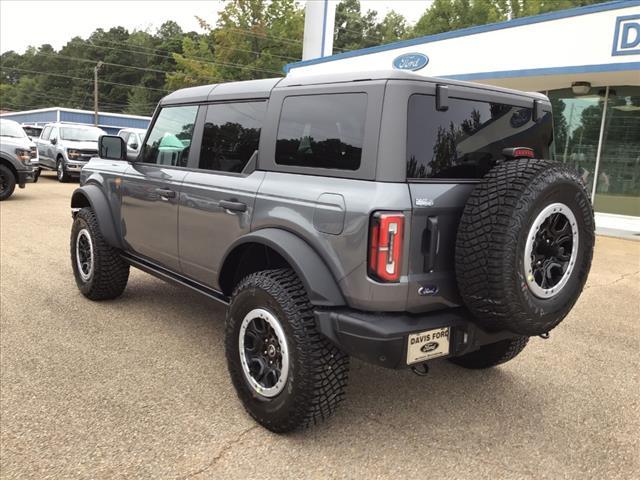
[(138, 387)]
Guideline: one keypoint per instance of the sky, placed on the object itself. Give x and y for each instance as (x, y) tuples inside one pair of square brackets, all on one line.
[(29, 22)]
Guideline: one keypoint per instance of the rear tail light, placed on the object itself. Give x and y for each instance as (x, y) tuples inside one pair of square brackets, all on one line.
[(518, 152), (386, 237)]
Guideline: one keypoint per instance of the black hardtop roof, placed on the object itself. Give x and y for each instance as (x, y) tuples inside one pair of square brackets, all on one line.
[(262, 88)]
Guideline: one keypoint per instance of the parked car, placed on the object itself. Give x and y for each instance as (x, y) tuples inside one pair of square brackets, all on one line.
[(382, 215), (32, 131), (18, 158), (133, 137), (66, 148)]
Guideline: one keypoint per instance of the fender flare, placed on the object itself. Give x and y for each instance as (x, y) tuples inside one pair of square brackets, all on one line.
[(319, 282), (91, 195), (11, 162)]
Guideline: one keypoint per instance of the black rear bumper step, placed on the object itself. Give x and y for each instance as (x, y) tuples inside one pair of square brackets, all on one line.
[(381, 338)]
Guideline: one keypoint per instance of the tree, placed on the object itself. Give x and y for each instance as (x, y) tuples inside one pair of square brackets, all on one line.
[(447, 15), (353, 29), (392, 28)]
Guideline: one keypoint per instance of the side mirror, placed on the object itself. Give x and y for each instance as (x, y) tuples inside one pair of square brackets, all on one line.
[(112, 147), (134, 146), (54, 141)]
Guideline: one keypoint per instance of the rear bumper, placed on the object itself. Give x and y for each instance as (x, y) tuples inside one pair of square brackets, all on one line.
[(382, 338)]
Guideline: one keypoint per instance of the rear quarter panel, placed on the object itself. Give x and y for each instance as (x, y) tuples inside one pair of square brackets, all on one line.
[(311, 206)]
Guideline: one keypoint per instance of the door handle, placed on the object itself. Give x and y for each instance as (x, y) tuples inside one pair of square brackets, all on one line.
[(165, 192), (233, 205), (431, 243)]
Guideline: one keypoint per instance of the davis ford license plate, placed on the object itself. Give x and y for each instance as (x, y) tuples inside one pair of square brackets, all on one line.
[(426, 345)]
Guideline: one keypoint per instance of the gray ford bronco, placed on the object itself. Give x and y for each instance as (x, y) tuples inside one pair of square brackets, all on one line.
[(385, 216)]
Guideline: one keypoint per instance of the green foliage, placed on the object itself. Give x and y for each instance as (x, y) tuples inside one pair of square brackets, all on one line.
[(131, 79), (447, 15)]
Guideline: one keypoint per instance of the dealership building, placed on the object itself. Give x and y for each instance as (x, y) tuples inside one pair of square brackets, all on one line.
[(111, 123), (587, 60)]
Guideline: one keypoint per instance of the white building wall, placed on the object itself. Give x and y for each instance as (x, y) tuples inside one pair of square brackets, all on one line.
[(506, 52)]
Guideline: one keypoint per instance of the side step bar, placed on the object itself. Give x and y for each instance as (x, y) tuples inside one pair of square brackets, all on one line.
[(169, 276)]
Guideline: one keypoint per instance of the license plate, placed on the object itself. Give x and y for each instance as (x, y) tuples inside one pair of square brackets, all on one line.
[(426, 345)]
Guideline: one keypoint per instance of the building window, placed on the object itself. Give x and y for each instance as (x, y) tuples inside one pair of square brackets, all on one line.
[(577, 121), (618, 183), (577, 124)]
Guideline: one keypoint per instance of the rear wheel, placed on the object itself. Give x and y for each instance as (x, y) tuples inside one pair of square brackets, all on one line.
[(286, 374), (99, 270), (7, 182), (524, 246), (491, 355)]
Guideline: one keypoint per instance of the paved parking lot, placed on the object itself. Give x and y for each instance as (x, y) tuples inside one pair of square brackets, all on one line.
[(138, 387)]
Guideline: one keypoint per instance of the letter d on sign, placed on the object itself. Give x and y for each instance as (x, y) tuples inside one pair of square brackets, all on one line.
[(626, 38), (630, 35)]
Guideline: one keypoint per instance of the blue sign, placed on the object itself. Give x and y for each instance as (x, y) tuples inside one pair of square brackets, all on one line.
[(626, 38), (410, 61)]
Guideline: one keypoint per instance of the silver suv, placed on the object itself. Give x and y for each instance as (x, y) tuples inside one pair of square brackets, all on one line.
[(18, 158), (383, 215), (66, 148)]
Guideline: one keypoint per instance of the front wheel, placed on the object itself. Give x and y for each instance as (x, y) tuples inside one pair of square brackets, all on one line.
[(7, 182), (99, 270), (61, 171), (286, 374)]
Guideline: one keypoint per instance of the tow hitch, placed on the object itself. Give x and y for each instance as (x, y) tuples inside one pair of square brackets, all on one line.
[(421, 369)]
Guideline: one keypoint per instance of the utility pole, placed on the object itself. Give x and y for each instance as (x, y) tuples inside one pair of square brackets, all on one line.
[(95, 93)]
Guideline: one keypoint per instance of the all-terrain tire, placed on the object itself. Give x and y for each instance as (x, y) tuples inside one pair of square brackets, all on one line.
[(7, 182), (108, 276), (490, 260), (318, 370), (491, 355)]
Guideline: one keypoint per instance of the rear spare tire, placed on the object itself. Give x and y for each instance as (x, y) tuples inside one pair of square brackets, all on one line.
[(524, 246)]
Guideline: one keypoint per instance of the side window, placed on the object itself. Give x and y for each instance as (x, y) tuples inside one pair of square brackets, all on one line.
[(54, 133), (45, 133), (466, 140), (170, 138), (231, 135), (322, 131), (132, 141), (124, 136)]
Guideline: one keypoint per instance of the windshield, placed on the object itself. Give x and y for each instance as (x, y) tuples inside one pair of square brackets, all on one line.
[(78, 134), (33, 131), (11, 129)]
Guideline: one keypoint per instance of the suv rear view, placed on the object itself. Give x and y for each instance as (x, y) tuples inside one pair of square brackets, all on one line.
[(382, 216)]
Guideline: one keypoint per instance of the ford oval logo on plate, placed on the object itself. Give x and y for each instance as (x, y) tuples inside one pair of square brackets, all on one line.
[(410, 61)]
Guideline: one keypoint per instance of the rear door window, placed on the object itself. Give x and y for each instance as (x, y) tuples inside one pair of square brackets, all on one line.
[(322, 131), (465, 141), (231, 135)]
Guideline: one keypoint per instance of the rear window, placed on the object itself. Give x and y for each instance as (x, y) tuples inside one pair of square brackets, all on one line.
[(465, 141), (322, 131)]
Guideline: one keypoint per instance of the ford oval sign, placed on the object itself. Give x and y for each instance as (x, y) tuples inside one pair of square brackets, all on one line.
[(410, 61)]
